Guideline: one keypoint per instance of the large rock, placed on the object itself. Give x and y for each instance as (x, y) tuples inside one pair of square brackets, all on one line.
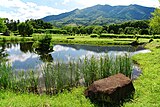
[(114, 89)]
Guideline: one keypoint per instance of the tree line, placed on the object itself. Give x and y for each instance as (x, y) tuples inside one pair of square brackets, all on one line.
[(131, 27), (22, 28), (27, 28)]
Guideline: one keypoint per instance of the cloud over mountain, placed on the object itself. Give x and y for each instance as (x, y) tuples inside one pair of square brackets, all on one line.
[(17, 9)]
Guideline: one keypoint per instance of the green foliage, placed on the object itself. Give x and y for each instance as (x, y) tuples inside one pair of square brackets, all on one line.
[(39, 31), (12, 25), (129, 30), (97, 30), (25, 29), (56, 31), (5, 75), (155, 21), (43, 47), (131, 27), (144, 32), (39, 24), (3, 27), (94, 35)]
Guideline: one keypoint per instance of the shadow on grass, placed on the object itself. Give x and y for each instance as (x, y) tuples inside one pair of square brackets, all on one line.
[(120, 103)]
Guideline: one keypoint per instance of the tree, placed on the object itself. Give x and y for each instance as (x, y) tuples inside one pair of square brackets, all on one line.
[(25, 29), (155, 21), (12, 24), (43, 47), (89, 29), (97, 30), (3, 27), (143, 32), (129, 30), (121, 31), (39, 24)]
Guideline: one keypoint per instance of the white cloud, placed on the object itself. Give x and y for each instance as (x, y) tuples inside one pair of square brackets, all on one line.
[(59, 48), (21, 57), (66, 1), (21, 10), (151, 3)]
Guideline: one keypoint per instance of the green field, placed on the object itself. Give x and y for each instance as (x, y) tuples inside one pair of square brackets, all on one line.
[(82, 39)]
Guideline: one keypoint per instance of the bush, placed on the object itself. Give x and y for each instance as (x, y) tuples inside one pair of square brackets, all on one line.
[(39, 30), (51, 31), (7, 33), (70, 38), (144, 32), (94, 35)]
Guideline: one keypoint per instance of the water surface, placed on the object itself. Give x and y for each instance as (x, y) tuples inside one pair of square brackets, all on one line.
[(24, 56)]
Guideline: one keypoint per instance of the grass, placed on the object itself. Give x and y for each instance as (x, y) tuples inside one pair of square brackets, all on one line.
[(113, 39), (77, 39), (15, 39), (75, 98), (58, 76), (148, 84)]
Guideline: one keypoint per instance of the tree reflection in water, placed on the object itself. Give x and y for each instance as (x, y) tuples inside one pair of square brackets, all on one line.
[(43, 47), (26, 47), (3, 54)]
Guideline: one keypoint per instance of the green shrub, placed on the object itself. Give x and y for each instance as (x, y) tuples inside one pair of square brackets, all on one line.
[(94, 35)]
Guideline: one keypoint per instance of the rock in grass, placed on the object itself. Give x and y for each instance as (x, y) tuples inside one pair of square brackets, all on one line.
[(114, 89)]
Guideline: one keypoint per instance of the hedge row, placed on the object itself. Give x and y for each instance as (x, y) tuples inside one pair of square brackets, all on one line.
[(124, 36), (51, 31)]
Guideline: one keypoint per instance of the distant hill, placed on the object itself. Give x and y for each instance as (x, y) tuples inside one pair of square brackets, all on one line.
[(100, 15)]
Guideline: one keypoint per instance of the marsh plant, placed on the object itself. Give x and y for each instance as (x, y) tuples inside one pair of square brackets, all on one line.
[(58, 75), (61, 75)]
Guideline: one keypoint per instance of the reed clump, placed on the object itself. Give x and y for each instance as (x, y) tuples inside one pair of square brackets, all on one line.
[(57, 76)]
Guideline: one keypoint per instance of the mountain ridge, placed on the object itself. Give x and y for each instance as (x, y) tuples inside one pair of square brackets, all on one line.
[(100, 15)]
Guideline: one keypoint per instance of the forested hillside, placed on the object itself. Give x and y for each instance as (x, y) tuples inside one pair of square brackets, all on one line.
[(100, 15)]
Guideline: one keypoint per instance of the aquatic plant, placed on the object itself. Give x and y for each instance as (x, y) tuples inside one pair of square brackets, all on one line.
[(59, 75), (5, 73)]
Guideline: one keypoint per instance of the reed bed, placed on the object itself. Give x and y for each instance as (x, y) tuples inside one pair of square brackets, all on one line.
[(58, 75)]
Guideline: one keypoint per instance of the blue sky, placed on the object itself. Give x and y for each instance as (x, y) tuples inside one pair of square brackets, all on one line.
[(26, 9)]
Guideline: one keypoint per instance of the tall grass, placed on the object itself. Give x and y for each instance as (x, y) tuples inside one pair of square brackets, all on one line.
[(61, 75), (5, 75), (58, 75)]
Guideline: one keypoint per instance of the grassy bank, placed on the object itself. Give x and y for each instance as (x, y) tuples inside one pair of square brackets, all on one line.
[(77, 39), (15, 39), (148, 84), (86, 39)]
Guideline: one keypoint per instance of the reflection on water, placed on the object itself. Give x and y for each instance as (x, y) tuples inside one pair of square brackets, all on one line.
[(24, 56)]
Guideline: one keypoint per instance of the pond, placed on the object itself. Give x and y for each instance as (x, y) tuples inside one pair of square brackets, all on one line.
[(22, 56)]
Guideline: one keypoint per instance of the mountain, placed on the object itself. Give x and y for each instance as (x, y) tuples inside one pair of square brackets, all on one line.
[(101, 14)]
